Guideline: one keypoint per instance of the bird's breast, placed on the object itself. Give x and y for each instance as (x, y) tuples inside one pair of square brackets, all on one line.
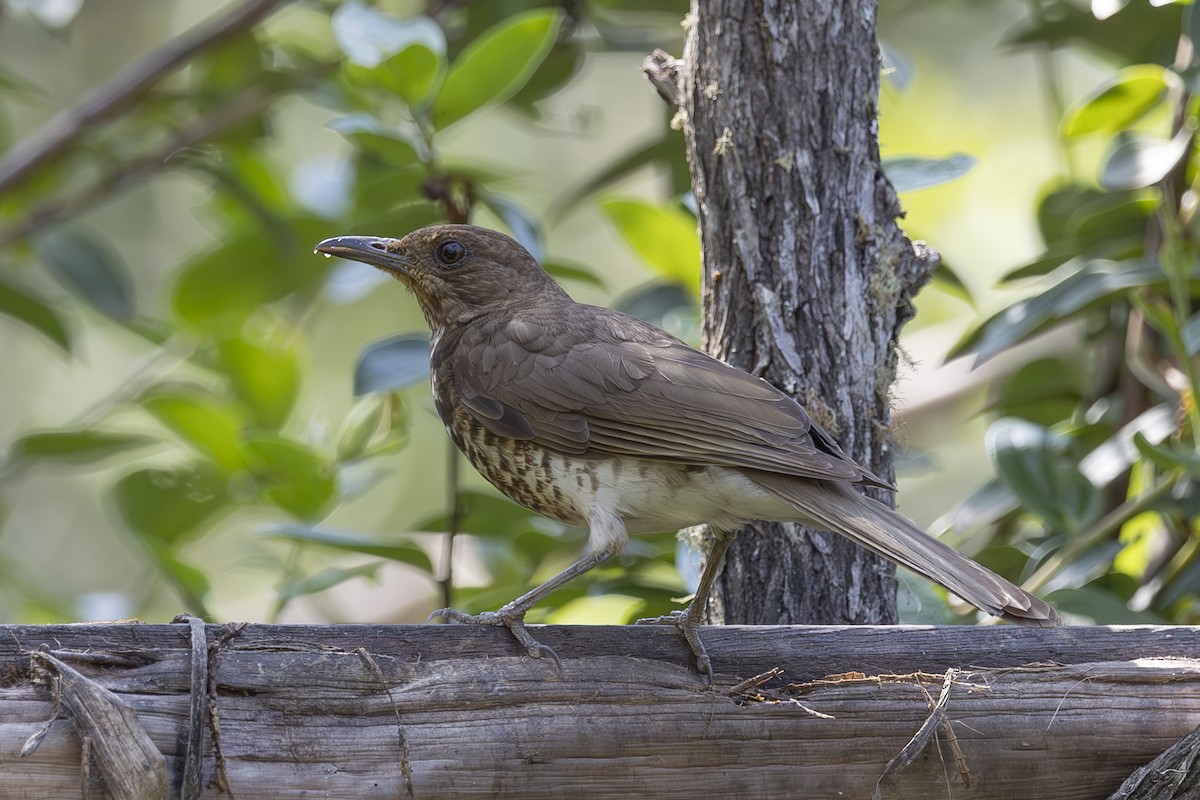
[(649, 496)]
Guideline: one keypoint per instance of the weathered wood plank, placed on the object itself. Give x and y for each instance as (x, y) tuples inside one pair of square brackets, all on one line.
[(444, 711)]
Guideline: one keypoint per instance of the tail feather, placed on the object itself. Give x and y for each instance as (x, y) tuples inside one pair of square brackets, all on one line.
[(835, 506)]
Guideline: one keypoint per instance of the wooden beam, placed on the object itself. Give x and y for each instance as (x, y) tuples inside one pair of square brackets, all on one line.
[(453, 711)]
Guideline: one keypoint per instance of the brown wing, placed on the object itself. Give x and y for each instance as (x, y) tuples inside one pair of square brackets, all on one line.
[(606, 384)]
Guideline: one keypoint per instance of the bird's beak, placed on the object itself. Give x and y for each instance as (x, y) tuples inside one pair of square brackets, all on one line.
[(374, 250)]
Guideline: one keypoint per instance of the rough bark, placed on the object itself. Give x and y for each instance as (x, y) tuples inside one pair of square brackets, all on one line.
[(808, 279), (358, 711)]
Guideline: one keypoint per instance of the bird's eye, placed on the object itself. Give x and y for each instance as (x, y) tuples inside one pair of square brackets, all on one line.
[(450, 252)]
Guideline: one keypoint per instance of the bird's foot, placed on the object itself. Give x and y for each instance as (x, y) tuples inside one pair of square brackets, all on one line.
[(688, 624), (508, 617)]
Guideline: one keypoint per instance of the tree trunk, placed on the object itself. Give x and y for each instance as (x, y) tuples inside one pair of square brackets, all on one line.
[(808, 279)]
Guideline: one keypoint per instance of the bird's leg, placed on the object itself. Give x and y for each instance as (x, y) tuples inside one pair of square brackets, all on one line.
[(512, 615), (689, 618)]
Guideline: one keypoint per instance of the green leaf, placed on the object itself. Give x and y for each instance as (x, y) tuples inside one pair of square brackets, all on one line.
[(295, 478), (206, 423), (410, 74), (1127, 97), (391, 548), (23, 306), (369, 37), (1098, 607), (90, 268), (372, 137), (359, 428), (562, 63), (1097, 282), (912, 173), (1158, 312), (496, 65), (73, 447), (1168, 457), (1141, 160), (219, 289), (660, 151), (665, 237), (163, 505), (396, 362), (1133, 35), (947, 279), (1035, 465), (1043, 391), (325, 579), (265, 376)]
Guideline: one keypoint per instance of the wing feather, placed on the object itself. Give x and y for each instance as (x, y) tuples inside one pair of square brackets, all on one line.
[(624, 388)]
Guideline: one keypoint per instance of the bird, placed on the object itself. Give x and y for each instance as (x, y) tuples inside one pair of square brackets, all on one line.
[(593, 417)]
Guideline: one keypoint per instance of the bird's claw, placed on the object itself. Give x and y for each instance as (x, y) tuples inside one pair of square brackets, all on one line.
[(511, 618), (688, 624)]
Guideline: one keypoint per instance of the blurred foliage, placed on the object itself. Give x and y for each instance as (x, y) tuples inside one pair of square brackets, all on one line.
[(1095, 454)]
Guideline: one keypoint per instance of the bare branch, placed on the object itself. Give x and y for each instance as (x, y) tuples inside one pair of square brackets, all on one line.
[(57, 135)]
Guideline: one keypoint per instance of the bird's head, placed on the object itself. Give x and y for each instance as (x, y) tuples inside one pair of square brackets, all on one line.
[(457, 272)]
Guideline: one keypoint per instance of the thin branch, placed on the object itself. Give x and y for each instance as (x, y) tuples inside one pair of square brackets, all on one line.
[(250, 103), (57, 135), (247, 105)]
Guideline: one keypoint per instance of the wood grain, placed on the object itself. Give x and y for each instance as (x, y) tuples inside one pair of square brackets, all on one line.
[(442, 711)]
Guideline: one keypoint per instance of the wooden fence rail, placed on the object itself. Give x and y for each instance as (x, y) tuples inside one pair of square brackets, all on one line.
[(420, 711)]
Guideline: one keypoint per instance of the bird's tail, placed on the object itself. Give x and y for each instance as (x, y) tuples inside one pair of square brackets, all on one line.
[(835, 506)]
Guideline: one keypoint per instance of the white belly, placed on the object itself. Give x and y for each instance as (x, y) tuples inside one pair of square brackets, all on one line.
[(657, 497)]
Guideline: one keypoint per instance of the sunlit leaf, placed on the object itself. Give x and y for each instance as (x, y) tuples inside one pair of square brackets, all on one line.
[(410, 74), (162, 505), (392, 548), (90, 268), (24, 306), (665, 237), (496, 64), (265, 376), (369, 36), (396, 362), (912, 173), (294, 477), (205, 422), (1121, 101), (73, 446)]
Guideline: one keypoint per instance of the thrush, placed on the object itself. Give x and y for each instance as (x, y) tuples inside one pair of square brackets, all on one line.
[(593, 417)]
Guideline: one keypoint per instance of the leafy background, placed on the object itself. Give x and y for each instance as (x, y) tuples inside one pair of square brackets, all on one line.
[(200, 414)]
